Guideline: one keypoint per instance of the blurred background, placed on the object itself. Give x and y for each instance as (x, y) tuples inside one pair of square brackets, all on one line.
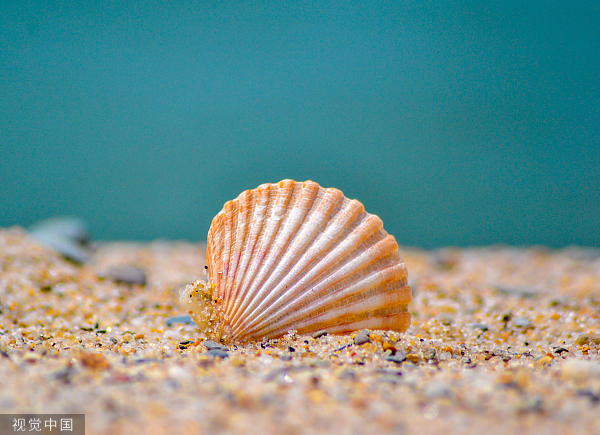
[(458, 123)]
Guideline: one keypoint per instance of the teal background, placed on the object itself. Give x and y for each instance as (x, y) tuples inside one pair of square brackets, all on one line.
[(459, 123)]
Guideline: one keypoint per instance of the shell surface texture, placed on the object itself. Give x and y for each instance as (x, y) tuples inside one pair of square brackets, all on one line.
[(297, 256)]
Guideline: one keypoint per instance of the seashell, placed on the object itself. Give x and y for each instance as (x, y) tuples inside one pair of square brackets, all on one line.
[(296, 256)]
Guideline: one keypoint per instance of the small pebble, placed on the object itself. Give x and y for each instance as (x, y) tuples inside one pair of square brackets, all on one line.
[(94, 361), (185, 344), (361, 338), (522, 322), (179, 319), (398, 357), (126, 274), (213, 345), (66, 235), (320, 333), (594, 398), (481, 326), (429, 354), (587, 339), (389, 346), (376, 337), (217, 353), (413, 358)]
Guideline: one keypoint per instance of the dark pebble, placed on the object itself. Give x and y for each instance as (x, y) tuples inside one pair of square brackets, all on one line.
[(320, 334), (398, 357), (481, 326), (64, 375), (361, 338), (291, 349), (286, 357), (217, 353), (594, 398), (186, 342), (429, 354), (560, 350), (179, 319), (126, 274), (213, 345)]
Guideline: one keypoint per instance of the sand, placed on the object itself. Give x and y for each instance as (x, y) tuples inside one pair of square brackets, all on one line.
[(503, 340)]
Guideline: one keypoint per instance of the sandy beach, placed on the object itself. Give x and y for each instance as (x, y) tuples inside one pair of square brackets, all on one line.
[(503, 340)]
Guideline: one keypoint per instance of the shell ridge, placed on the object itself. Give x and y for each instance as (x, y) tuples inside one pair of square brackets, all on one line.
[(312, 258), (222, 243), (277, 208), (350, 299), (394, 318), (321, 257), (247, 251), (260, 232), (240, 218), (230, 258), (321, 209), (293, 218), (341, 316), (346, 276), (350, 243)]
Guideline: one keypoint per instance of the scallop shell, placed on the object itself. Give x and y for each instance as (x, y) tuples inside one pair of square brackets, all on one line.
[(296, 256)]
